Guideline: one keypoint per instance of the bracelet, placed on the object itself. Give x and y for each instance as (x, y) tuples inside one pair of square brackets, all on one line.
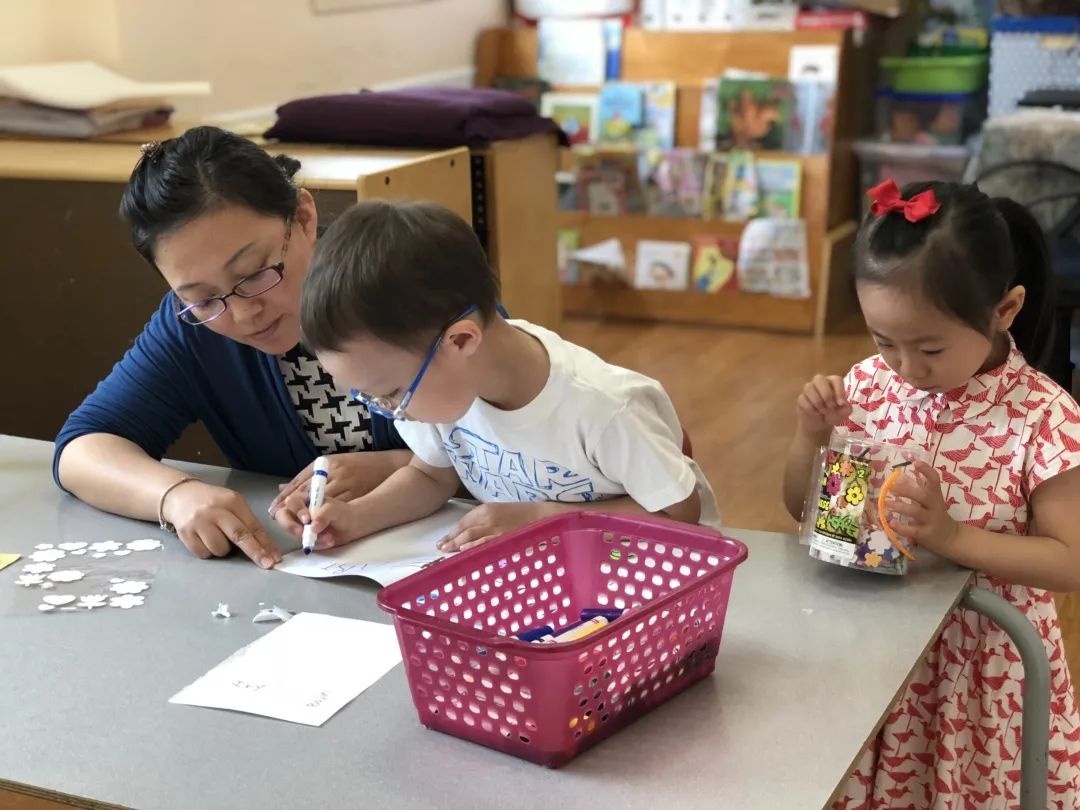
[(165, 525)]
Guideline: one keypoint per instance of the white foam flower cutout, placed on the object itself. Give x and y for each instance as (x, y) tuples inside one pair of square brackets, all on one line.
[(148, 544), (66, 576), (93, 600), (58, 599), (126, 601), (26, 580), (43, 546), (105, 545), (38, 568), (121, 552), (47, 585), (47, 555), (131, 586), (71, 546)]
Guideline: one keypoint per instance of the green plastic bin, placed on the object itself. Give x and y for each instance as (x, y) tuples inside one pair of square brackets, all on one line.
[(936, 74)]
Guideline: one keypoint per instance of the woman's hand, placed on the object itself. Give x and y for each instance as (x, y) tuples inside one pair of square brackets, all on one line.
[(350, 476), (209, 520)]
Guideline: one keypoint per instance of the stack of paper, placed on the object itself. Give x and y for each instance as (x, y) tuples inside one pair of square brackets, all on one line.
[(82, 99)]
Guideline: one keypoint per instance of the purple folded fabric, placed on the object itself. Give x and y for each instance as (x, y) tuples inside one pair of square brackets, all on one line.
[(419, 117)]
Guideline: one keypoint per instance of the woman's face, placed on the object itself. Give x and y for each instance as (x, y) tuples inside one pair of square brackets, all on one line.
[(213, 253)]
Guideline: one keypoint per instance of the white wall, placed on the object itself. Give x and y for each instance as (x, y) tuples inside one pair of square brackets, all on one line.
[(255, 53)]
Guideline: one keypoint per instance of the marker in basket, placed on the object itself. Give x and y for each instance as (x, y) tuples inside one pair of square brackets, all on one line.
[(319, 476), (611, 614), (576, 632), (536, 633)]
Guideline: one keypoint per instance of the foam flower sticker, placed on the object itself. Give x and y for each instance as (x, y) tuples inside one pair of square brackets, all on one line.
[(93, 600), (105, 545), (128, 587), (47, 555), (38, 568), (26, 580), (855, 494), (126, 601), (835, 482), (148, 544), (66, 576)]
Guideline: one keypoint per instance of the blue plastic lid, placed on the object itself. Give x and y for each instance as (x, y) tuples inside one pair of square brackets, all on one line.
[(1037, 25), (931, 97)]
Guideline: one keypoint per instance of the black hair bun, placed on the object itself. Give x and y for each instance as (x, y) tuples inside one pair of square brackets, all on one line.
[(289, 165)]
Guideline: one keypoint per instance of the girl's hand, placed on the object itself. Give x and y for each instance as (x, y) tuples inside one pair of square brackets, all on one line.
[(822, 405), (488, 521), (336, 523), (928, 522)]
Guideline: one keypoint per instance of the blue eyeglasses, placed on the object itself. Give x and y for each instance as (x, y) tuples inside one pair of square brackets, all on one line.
[(384, 406)]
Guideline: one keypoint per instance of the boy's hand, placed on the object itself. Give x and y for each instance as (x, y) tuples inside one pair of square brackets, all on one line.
[(822, 405), (928, 522), (491, 520), (351, 475), (336, 523)]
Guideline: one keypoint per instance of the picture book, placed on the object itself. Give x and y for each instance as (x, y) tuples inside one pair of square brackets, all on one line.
[(812, 117), (575, 113), (658, 128), (712, 202), (608, 182), (637, 115), (779, 188), (741, 196), (714, 261), (662, 265), (621, 112), (673, 182), (569, 240), (707, 118), (753, 113), (773, 258)]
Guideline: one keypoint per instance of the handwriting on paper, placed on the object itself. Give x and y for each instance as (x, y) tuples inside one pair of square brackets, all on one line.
[(385, 557), (303, 671)]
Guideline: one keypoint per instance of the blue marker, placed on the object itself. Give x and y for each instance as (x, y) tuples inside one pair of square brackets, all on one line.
[(535, 633), (319, 477), (611, 614)]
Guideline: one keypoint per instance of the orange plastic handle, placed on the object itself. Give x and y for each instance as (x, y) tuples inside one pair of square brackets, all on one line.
[(896, 541)]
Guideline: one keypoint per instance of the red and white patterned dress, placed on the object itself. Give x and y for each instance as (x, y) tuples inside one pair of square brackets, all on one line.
[(953, 738)]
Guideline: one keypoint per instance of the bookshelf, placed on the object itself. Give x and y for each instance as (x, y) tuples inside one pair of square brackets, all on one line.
[(828, 187)]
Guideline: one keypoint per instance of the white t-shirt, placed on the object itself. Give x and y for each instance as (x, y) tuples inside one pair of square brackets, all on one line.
[(595, 431)]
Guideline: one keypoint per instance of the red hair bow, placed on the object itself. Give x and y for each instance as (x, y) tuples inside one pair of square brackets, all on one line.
[(886, 197)]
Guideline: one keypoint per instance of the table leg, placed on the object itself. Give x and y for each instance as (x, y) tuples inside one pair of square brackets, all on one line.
[(1036, 697)]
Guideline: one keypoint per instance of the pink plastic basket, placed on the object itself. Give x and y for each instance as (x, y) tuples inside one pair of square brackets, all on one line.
[(548, 702)]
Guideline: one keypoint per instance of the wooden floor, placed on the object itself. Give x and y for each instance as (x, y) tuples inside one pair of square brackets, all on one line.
[(735, 392)]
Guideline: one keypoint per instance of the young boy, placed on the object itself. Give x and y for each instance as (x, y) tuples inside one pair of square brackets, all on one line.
[(401, 306)]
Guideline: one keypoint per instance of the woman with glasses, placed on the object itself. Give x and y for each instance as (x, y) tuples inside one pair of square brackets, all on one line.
[(233, 235)]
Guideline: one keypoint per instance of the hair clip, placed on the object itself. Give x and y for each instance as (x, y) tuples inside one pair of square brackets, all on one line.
[(887, 198), (150, 149)]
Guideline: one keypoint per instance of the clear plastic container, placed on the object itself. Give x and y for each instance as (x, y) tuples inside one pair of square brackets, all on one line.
[(907, 163), (842, 521), (929, 118)]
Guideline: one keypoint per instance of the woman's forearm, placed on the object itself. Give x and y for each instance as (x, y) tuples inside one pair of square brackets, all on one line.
[(115, 475)]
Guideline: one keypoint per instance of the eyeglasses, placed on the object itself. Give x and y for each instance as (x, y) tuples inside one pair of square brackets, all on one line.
[(384, 406), (259, 282)]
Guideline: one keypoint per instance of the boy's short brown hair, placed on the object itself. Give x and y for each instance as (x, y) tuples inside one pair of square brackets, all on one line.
[(397, 271)]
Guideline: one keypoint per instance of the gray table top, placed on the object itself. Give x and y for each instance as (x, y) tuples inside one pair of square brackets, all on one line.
[(812, 657)]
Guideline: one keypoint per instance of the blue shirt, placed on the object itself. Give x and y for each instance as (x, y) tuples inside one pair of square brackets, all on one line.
[(176, 374)]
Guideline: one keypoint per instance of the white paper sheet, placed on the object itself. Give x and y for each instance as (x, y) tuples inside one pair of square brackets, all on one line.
[(304, 671), (385, 557)]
